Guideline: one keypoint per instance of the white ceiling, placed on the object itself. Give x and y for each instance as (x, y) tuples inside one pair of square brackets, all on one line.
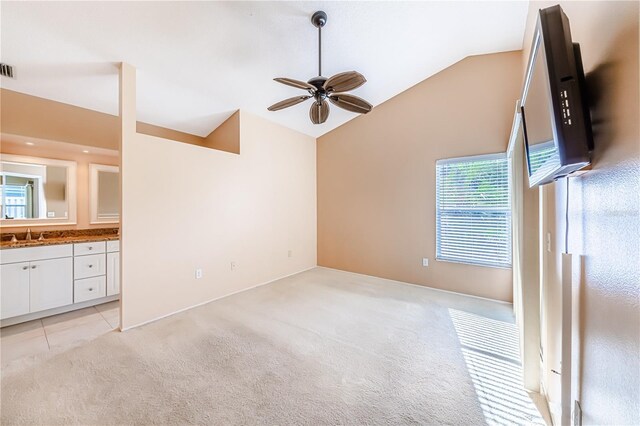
[(200, 61)]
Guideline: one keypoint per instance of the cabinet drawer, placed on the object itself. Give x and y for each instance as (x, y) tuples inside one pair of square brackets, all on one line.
[(89, 266), (27, 254), (113, 246), (89, 288), (81, 249)]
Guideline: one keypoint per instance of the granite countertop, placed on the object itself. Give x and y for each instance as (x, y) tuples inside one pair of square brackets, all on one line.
[(59, 237)]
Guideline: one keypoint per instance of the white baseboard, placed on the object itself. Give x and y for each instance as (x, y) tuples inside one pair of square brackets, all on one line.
[(304, 270), (214, 299), (421, 286)]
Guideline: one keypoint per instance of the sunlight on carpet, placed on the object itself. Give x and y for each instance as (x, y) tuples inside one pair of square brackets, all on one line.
[(491, 353)]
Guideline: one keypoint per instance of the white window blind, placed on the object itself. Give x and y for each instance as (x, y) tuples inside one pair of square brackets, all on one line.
[(473, 210)]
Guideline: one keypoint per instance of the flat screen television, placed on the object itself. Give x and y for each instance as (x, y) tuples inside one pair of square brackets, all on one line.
[(555, 114)]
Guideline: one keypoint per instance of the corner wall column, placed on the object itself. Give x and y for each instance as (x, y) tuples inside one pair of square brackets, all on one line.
[(127, 130)]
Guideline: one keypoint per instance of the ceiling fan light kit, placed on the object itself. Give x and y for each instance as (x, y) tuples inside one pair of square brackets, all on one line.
[(322, 89)]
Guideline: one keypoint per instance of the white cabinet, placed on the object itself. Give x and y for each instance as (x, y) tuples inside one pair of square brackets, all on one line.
[(113, 246), (113, 273), (89, 288), (50, 283), (89, 266), (89, 270), (81, 249), (29, 254), (34, 286), (35, 280), (14, 289), (113, 267)]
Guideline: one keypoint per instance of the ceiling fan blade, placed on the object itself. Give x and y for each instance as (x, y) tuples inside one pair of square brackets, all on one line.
[(319, 112), (288, 102), (295, 83), (350, 103), (344, 82)]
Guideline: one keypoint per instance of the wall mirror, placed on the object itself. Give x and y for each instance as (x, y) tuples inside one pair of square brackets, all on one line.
[(37, 191), (104, 193)]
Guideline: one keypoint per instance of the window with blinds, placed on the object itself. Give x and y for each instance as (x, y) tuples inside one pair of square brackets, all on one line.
[(473, 210)]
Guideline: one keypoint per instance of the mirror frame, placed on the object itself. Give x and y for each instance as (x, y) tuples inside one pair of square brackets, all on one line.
[(72, 168), (94, 169)]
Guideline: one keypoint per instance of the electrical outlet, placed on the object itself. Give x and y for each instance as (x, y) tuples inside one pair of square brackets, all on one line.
[(425, 261), (233, 266), (290, 253), (198, 273), (549, 242)]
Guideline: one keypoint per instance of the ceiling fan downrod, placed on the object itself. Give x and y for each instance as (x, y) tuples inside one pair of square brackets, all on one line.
[(319, 19)]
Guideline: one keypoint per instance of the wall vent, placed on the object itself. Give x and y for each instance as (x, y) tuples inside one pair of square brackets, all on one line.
[(6, 70)]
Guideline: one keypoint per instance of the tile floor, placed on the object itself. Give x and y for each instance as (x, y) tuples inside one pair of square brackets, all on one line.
[(57, 332)]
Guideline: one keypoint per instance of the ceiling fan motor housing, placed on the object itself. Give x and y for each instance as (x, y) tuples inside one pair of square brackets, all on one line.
[(320, 92)]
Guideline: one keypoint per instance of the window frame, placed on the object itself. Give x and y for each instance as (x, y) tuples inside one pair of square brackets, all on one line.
[(4, 197), (507, 210)]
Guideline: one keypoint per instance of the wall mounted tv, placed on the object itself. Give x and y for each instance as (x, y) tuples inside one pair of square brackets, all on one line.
[(555, 114)]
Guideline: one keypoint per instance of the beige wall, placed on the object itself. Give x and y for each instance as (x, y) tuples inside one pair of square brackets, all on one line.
[(226, 137), (82, 175), (188, 207), (164, 133), (35, 117), (376, 175), (604, 214), (45, 119)]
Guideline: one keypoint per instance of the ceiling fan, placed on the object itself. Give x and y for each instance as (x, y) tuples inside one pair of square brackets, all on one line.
[(321, 88)]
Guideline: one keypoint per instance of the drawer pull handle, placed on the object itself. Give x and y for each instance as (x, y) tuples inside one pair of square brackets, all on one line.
[(24, 268), (90, 266), (90, 288), (90, 247), (33, 266)]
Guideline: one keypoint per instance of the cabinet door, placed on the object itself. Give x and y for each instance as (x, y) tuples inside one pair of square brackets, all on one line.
[(14, 289), (51, 283), (113, 273), (113, 246)]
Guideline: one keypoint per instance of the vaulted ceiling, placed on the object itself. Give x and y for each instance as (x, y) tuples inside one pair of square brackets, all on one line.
[(200, 61)]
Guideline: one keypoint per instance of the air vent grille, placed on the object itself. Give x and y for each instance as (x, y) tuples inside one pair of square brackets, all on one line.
[(6, 70)]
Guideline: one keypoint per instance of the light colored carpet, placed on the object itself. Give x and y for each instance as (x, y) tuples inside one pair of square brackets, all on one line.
[(321, 347)]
